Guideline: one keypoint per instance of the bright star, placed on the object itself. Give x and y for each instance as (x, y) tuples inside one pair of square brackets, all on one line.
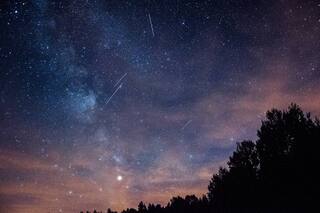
[(119, 178)]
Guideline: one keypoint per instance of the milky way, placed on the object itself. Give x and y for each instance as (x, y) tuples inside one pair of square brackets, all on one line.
[(106, 103)]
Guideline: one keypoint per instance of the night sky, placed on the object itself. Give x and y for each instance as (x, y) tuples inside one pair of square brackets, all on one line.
[(106, 103)]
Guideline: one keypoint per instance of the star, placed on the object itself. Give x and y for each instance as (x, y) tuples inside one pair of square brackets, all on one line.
[(119, 178)]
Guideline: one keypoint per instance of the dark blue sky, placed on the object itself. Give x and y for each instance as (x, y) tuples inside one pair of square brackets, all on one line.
[(106, 103)]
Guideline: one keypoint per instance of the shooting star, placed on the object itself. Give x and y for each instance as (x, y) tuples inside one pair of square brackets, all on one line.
[(109, 99), (120, 79), (186, 124), (151, 25)]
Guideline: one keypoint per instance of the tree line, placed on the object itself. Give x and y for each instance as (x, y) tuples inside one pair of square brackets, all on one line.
[(275, 173)]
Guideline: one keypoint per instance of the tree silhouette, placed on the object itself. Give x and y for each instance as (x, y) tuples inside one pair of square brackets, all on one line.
[(277, 173), (142, 208)]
